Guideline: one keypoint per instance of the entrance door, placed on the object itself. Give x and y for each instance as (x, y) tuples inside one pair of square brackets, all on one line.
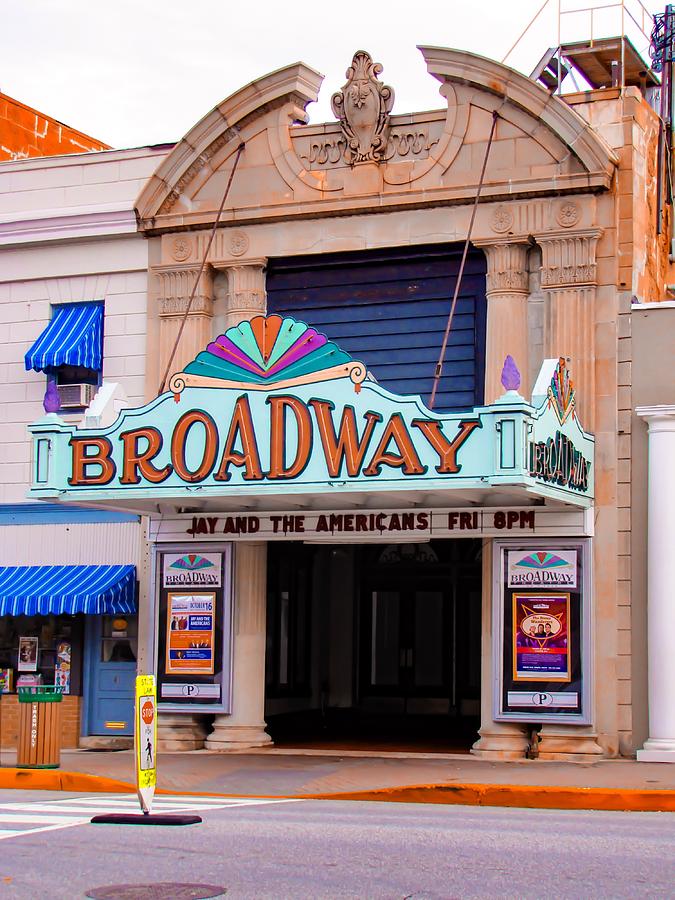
[(407, 649), (112, 645)]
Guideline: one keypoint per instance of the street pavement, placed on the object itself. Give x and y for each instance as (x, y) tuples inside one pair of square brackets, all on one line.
[(333, 849)]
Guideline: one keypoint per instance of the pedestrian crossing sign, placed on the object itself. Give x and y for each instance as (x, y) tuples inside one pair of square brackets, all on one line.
[(146, 739)]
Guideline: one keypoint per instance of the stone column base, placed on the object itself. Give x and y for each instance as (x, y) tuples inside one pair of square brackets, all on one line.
[(226, 737), (657, 751), (180, 731), (567, 745), (501, 742)]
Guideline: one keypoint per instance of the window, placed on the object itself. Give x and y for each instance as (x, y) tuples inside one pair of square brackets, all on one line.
[(70, 352)]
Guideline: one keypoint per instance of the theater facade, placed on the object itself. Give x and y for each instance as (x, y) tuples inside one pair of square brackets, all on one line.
[(356, 531)]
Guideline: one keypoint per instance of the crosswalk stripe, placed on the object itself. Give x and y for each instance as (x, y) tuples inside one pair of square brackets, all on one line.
[(52, 815), (21, 818), (161, 799)]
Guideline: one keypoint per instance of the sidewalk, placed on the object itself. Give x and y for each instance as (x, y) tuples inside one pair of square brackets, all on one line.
[(353, 774)]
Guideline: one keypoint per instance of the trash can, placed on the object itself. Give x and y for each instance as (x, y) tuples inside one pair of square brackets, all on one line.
[(39, 727)]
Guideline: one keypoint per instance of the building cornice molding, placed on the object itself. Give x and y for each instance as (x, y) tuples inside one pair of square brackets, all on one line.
[(68, 224), (658, 418), (392, 201)]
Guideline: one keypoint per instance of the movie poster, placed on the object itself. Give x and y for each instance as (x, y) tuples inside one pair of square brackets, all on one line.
[(190, 634), (62, 666), (28, 654), (541, 628)]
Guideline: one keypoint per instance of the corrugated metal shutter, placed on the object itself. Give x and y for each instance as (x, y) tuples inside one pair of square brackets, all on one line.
[(389, 308)]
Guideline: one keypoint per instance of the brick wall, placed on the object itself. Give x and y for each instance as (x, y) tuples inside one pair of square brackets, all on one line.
[(25, 132), (9, 721)]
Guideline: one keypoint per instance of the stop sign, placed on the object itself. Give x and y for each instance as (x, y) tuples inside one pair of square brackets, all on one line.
[(148, 712)]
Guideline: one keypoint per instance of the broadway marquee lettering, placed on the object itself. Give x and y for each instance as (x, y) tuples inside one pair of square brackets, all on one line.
[(559, 462), (428, 523), (351, 450)]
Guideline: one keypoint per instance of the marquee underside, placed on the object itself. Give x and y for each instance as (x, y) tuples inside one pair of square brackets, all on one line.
[(487, 497)]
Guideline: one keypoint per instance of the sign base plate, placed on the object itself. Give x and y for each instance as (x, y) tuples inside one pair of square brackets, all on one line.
[(140, 819)]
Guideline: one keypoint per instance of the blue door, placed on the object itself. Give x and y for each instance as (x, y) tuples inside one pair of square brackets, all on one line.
[(110, 660)]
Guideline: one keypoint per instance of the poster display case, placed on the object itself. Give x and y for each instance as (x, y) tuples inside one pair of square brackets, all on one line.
[(194, 628), (541, 636)]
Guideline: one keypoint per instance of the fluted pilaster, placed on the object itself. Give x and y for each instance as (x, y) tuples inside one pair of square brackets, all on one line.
[(175, 285), (507, 329), (569, 275), (246, 296)]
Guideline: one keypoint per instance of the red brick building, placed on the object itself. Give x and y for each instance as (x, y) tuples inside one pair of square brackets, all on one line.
[(25, 132)]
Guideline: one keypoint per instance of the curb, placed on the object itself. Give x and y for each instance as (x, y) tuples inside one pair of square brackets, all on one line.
[(521, 796), (55, 780), (500, 795)]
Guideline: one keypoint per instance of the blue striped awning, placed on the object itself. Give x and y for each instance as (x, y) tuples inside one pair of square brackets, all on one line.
[(40, 590), (74, 337)]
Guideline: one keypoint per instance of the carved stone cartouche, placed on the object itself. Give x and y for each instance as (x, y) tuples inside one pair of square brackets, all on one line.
[(362, 108)]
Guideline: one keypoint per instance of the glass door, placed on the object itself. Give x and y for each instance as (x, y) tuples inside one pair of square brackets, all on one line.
[(406, 648)]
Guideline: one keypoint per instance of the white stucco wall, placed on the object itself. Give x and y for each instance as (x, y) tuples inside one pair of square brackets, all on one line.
[(67, 233)]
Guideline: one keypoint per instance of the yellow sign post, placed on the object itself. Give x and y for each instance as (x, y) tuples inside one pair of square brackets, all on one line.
[(146, 740)]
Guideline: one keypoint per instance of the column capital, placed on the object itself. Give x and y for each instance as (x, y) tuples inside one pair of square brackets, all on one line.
[(568, 260), (507, 271), (252, 263), (175, 286), (658, 418), (246, 296)]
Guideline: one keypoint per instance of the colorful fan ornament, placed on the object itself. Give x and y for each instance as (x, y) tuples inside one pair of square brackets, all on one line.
[(561, 393), (542, 559), (192, 562), (268, 352)]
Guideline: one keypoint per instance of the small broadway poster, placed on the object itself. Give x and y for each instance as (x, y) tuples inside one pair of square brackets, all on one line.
[(541, 638), (190, 634)]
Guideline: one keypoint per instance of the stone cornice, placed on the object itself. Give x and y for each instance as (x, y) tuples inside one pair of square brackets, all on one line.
[(392, 201), (68, 224)]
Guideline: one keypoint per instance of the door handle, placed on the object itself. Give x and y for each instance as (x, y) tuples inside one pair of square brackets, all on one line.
[(406, 658)]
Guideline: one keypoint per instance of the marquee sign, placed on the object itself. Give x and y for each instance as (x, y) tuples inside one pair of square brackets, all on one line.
[(418, 524), (273, 407)]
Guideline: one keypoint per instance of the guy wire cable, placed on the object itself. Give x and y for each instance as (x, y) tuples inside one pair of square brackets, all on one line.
[(240, 150), (439, 364)]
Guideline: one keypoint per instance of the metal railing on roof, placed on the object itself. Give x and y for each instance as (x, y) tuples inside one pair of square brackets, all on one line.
[(591, 23)]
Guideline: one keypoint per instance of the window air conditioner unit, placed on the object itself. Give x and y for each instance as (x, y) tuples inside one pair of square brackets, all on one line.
[(74, 396)]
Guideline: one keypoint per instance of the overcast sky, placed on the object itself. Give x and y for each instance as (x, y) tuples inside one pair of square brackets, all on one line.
[(136, 72)]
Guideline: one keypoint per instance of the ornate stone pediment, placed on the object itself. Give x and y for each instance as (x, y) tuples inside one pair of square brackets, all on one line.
[(292, 168), (362, 108)]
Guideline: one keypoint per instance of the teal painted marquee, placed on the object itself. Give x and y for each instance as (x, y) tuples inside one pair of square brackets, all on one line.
[(273, 408)]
